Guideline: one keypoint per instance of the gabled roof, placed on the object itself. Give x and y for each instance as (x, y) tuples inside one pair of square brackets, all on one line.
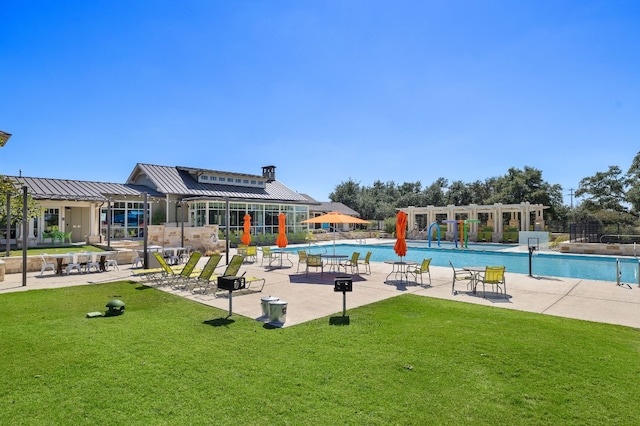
[(78, 190), (330, 206), (180, 181)]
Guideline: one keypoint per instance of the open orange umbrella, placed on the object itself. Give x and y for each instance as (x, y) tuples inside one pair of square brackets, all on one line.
[(335, 218), (281, 241), (246, 236), (401, 231)]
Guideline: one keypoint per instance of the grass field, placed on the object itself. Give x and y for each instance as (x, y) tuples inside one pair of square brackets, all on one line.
[(407, 360)]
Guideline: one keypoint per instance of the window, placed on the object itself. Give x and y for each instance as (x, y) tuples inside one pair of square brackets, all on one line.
[(51, 219)]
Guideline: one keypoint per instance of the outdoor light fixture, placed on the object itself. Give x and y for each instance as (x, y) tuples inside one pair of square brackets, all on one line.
[(4, 137)]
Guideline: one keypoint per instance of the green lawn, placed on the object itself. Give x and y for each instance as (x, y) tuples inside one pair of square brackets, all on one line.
[(407, 360)]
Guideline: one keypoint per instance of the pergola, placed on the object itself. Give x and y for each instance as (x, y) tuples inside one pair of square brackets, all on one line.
[(521, 215)]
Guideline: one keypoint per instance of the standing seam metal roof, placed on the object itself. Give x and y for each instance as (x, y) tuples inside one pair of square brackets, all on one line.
[(77, 190), (175, 180)]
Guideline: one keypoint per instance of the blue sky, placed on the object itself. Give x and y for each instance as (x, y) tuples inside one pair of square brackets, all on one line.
[(327, 91)]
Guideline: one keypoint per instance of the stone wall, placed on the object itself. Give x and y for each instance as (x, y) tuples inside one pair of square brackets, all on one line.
[(597, 248), (199, 238)]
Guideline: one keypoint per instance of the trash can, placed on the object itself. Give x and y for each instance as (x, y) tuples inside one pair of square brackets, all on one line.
[(277, 312), (265, 305)]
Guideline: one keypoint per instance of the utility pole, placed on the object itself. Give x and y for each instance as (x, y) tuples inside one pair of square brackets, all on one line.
[(571, 195)]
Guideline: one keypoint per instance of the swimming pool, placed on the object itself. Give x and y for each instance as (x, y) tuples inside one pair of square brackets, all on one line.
[(600, 268)]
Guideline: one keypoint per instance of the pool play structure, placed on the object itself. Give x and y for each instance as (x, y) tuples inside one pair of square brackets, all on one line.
[(544, 264), (464, 234)]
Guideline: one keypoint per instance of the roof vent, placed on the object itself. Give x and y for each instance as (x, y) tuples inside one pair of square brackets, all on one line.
[(269, 173)]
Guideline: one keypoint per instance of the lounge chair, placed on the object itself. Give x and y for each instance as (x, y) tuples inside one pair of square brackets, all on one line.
[(181, 280), (494, 276), (203, 280), (159, 276), (423, 269), (233, 269), (351, 263)]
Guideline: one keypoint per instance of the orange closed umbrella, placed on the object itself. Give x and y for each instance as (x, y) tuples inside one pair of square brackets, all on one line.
[(401, 231), (246, 237), (281, 241)]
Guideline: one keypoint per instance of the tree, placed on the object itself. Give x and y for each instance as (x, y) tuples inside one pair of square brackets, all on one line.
[(459, 194), (519, 186), (347, 193), (604, 190), (633, 182), (434, 194), (10, 186)]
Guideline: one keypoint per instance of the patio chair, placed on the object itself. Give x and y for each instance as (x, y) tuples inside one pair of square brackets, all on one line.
[(266, 254), (139, 259), (186, 254), (366, 263), (351, 263), (203, 280), (493, 276), (302, 259), (73, 264), (423, 269), (315, 261), (92, 262), (111, 260), (251, 253), (462, 275), (46, 264)]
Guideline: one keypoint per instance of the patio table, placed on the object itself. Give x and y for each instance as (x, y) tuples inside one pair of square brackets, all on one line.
[(333, 261), (475, 272), (59, 258), (280, 254), (400, 268)]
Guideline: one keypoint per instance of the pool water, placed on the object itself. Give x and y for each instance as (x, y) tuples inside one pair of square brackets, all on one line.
[(602, 268)]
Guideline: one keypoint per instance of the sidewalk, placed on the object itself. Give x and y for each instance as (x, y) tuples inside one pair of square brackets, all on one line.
[(312, 297)]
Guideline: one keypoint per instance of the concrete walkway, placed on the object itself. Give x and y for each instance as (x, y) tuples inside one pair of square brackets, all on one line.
[(313, 296)]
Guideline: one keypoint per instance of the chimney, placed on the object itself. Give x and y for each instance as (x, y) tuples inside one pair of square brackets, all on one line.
[(269, 173)]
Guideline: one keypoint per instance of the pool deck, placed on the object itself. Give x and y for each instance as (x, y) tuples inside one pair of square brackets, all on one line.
[(313, 297)]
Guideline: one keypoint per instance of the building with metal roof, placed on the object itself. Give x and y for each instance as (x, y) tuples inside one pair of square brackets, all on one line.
[(87, 211)]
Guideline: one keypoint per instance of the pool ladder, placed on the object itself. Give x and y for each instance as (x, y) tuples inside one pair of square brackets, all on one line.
[(619, 274)]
